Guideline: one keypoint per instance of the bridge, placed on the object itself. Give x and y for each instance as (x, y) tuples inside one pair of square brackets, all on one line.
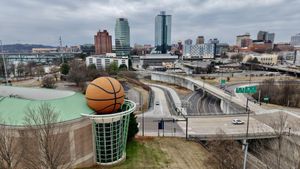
[(221, 127), (39, 57), (294, 72), (192, 84)]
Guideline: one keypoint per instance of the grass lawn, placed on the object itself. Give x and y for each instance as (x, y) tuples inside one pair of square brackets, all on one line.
[(167, 153)]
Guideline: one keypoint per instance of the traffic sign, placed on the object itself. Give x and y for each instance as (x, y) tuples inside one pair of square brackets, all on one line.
[(266, 99), (247, 89), (223, 81)]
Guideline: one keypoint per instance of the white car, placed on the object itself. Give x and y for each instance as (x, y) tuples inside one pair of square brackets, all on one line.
[(157, 103), (237, 121)]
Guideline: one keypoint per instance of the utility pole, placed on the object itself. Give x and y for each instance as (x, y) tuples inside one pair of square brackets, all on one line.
[(245, 141), (4, 63), (259, 95), (143, 117)]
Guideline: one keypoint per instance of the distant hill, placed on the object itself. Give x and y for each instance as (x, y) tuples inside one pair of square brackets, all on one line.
[(22, 48)]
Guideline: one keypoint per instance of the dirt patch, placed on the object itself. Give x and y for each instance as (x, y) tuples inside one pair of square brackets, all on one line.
[(183, 154)]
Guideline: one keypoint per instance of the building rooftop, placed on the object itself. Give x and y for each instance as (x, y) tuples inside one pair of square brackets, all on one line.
[(159, 56), (15, 102)]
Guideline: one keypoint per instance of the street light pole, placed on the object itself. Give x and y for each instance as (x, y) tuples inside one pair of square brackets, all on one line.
[(4, 64), (245, 141)]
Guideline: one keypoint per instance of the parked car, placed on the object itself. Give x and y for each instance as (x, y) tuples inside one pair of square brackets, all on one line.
[(237, 121), (157, 103)]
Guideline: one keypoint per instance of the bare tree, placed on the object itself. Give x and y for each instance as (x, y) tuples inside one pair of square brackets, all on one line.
[(10, 153), (55, 72), (77, 72), (46, 144), (224, 154), (40, 71), (279, 123), (29, 67), (20, 69), (48, 81)]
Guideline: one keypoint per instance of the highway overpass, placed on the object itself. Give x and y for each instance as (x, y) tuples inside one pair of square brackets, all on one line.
[(192, 84), (294, 72)]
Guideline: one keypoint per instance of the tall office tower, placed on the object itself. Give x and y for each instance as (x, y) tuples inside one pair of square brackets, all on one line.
[(188, 42), (240, 38), (266, 36), (261, 35), (200, 40), (295, 40), (102, 42), (187, 47), (163, 32), (122, 37), (270, 37)]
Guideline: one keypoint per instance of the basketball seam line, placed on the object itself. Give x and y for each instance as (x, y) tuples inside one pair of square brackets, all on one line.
[(107, 107), (104, 99), (114, 93), (101, 88)]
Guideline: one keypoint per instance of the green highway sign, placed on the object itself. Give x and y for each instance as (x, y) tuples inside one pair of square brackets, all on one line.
[(223, 81), (247, 89)]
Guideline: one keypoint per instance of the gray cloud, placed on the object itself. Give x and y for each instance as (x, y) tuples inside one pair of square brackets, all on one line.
[(43, 21)]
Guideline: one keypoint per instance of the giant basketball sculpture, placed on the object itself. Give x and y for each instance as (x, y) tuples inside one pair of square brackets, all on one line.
[(105, 95)]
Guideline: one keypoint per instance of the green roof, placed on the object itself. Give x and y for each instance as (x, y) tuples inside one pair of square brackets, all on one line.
[(70, 105)]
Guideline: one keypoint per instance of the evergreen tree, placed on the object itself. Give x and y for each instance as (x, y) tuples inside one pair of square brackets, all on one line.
[(132, 127)]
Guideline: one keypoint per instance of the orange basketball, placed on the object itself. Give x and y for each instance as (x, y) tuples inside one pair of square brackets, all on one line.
[(105, 95)]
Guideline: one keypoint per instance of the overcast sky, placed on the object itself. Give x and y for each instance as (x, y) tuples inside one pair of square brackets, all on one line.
[(43, 21)]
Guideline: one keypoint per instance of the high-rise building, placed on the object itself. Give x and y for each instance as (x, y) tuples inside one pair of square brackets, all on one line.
[(246, 43), (214, 41), (200, 40), (187, 47), (295, 40), (122, 37), (266, 36), (270, 37), (188, 42), (200, 51), (240, 38), (163, 32), (297, 58), (102, 42)]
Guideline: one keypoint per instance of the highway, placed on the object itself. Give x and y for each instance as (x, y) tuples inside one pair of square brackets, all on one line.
[(238, 99), (160, 110), (203, 127), (207, 104)]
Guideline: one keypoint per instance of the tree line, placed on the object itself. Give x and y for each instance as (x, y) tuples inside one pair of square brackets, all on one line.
[(285, 93)]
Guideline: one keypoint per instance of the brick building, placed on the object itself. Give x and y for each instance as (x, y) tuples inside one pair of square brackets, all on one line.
[(103, 42)]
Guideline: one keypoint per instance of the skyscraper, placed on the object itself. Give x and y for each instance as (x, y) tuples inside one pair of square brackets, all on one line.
[(188, 42), (200, 40), (240, 38), (102, 42), (266, 36), (163, 32), (295, 40), (122, 37)]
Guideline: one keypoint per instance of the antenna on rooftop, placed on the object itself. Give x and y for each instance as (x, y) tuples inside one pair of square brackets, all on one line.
[(61, 49)]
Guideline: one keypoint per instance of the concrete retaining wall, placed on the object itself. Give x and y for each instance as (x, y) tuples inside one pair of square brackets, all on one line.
[(173, 80)]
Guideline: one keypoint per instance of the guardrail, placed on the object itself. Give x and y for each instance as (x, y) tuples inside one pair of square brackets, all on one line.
[(233, 136)]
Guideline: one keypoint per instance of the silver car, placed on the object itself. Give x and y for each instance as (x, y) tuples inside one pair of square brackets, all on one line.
[(237, 121)]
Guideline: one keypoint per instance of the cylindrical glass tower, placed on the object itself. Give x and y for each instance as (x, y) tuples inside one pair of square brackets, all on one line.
[(122, 37), (110, 134)]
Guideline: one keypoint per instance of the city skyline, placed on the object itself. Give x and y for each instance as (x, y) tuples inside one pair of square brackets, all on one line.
[(43, 22)]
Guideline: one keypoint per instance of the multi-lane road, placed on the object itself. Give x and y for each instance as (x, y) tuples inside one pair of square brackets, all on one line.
[(198, 126), (204, 104)]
